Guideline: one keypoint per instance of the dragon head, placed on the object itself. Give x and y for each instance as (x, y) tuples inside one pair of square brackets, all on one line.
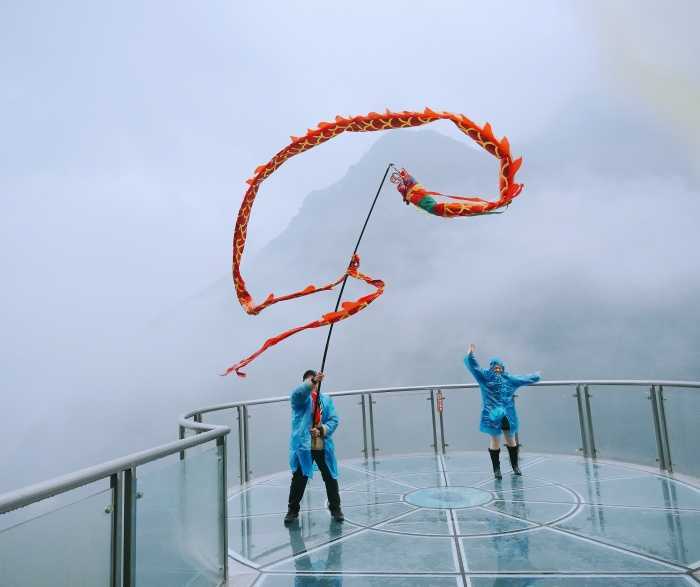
[(403, 181)]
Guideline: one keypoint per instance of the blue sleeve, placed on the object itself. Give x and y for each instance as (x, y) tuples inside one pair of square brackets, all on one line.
[(331, 422), (301, 396), (519, 380), (473, 366)]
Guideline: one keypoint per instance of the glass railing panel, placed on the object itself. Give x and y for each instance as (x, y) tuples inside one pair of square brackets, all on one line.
[(228, 418), (460, 417), (179, 522), (348, 435), (268, 438), (682, 407), (70, 546), (402, 423), (548, 418), (623, 425)]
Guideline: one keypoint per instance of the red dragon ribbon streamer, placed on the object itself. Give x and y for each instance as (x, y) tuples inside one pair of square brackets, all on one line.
[(412, 192)]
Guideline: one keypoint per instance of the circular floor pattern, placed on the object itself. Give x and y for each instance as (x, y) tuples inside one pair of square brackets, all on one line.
[(448, 497), (443, 520)]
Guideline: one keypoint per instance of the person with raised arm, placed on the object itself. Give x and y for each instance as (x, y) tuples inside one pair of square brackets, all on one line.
[(314, 420), (498, 415)]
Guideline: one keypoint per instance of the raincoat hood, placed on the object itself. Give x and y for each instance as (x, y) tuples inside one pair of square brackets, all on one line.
[(496, 362)]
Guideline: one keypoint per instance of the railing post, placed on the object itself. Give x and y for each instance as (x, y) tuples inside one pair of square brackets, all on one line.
[(115, 482), (241, 449), (223, 504), (581, 421), (198, 418), (657, 428), (589, 423), (129, 545), (441, 404), (181, 436), (371, 424), (664, 429), (364, 425), (431, 399), (246, 444)]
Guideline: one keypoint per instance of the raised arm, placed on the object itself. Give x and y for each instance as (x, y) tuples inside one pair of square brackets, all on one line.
[(473, 365), (520, 380), (300, 397)]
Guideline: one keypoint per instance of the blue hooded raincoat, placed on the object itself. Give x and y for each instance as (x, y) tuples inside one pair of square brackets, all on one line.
[(497, 394), (300, 438)]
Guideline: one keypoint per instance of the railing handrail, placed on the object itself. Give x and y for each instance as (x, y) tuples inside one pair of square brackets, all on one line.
[(122, 472), (192, 420), (207, 432), (33, 493), (187, 423)]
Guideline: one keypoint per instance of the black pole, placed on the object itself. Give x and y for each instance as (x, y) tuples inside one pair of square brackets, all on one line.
[(357, 246)]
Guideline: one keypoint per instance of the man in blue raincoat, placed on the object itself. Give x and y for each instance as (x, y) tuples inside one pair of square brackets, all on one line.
[(498, 413), (314, 421)]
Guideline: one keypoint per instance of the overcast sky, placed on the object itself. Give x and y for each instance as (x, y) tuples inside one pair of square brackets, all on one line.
[(129, 128)]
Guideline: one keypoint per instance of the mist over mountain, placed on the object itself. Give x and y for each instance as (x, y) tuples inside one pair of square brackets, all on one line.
[(585, 275), (589, 273)]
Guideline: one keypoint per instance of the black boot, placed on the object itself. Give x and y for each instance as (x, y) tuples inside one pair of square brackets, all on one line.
[(291, 517), (296, 492), (513, 454), (337, 514), (496, 462), (334, 501)]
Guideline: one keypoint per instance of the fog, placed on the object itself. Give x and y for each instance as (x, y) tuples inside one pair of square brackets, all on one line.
[(128, 133)]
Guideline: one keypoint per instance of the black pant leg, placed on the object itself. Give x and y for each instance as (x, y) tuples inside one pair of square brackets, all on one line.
[(332, 489), (296, 489)]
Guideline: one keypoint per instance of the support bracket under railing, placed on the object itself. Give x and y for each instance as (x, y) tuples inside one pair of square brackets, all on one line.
[(129, 533), (441, 409), (589, 423), (241, 450), (664, 429), (116, 482), (371, 425), (585, 421), (431, 399), (658, 412), (243, 444), (363, 403), (223, 503)]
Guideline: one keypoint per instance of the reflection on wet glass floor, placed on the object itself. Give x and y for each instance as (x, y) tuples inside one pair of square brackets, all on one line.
[(433, 520)]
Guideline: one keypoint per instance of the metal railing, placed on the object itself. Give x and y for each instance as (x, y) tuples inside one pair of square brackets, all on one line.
[(122, 476), (581, 390), (121, 473)]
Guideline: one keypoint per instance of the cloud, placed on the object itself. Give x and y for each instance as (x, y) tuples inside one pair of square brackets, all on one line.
[(653, 60)]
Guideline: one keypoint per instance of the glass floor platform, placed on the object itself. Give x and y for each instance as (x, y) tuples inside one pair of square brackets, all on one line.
[(444, 521)]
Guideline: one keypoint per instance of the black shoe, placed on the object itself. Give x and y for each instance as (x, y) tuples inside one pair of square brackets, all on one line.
[(513, 454), (496, 463), (338, 515), (291, 517)]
